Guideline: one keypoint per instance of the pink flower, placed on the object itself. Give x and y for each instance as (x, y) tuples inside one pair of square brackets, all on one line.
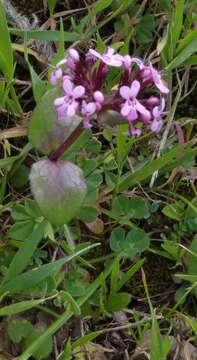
[(87, 110), (55, 76), (151, 73), (67, 104), (74, 55), (73, 59), (57, 73), (82, 87), (134, 132), (109, 58), (157, 116), (99, 98), (132, 106), (151, 101), (127, 62)]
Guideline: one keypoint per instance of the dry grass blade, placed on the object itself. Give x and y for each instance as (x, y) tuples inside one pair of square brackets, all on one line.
[(13, 133)]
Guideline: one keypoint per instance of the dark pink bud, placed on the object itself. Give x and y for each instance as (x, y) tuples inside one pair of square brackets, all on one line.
[(152, 101)]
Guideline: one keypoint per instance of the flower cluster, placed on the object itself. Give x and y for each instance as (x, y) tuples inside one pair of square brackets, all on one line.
[(138, 96)]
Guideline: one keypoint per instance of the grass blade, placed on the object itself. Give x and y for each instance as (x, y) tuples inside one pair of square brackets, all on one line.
[(177, 22), (65, 316), (24, 254), (33, 277), (186, 41), (190, 49), (46, 35), (143, 173), (6, 54), (19, 307)]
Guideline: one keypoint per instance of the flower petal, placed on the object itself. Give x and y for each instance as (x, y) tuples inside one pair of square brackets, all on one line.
[(161, 86), (68, 87), (125, 92), (59, 101), (136, 132), (152, 101), (125, 109), (62, 62), (53, 79), (91, 108), (74, 55), (61, 110), (156, 112), (114, 61), (142, 110), (110, 51), (55, 75), (134, 89), (126, 62), (146, 117), (71, 110), (78, 91), (159, 83), (98, 96), (156, 125), (96, 54), (133, 114), (86, 123)]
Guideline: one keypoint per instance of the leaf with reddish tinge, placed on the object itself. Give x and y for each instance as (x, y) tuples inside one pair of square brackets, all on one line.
[(59, 189), (96, 226)]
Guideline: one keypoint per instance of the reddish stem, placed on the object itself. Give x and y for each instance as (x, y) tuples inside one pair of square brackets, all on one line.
[(55, 155)]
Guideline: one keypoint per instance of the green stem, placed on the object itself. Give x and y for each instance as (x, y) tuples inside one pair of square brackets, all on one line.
[(101, 259), (48, 311)]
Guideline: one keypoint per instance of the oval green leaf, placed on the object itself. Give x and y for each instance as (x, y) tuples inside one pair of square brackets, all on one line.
[(59, 189)]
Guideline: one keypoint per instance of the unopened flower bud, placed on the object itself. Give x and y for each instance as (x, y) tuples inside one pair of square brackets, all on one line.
[(74, 55), (98, 96)]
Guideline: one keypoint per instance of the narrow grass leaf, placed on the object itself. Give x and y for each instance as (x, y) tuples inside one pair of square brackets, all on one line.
[(51, 5), (33, 277), (129, 273), (46, 35), (177, 21), (86, 338), (190, 278), (186, 41), (65, 316), (24, 254), (130, 179), (115, 276), (99, 6), (8, 161), (6, 55), (191, 61), (160, 345), (19, 307), (190, 49)]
